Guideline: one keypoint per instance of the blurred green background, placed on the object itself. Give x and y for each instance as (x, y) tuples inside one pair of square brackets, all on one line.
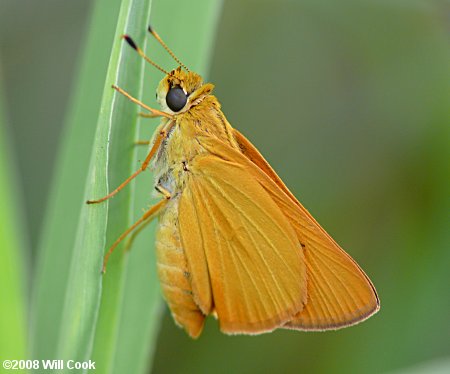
[(350, 103)]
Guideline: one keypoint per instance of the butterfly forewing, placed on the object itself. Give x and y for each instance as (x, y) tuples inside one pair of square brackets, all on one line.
[(255, 263)]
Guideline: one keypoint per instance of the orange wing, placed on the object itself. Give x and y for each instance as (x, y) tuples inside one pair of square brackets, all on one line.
[(339, 292), (240, 247)]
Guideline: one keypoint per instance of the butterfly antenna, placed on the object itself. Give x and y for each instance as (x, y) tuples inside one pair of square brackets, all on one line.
[(141, 53), (158, 38)]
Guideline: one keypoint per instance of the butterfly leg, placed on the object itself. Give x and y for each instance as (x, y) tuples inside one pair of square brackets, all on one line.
[(155, 112), (142, 142), (141, 223), (159, 139), (147, 115), (167, 196)]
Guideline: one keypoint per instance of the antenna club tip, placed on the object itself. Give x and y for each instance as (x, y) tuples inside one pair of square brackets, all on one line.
[(150, 29), (130, 41)]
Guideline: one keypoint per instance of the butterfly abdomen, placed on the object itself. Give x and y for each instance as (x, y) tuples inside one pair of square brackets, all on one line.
[(173, 273)]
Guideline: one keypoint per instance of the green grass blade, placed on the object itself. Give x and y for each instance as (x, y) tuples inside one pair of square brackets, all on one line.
[(122, 164), (12, 275), (60, 223), (113, 130)]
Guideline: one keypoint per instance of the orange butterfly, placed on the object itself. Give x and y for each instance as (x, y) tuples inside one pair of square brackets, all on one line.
[(232, 240)]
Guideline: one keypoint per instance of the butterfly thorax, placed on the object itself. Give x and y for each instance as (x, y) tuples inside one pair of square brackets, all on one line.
[(182, 143)]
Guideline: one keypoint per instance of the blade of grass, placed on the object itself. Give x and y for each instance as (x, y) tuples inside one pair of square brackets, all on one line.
[(12, 275), (139, 304), (60, 222), (84, 286), (122, 160)]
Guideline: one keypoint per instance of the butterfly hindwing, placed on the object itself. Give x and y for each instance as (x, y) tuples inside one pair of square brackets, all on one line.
[(339, 292)]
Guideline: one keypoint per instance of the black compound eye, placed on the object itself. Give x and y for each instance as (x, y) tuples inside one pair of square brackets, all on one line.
[(176, 99)]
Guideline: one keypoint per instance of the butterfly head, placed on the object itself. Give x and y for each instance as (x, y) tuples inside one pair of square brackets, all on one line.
[(180, 90)]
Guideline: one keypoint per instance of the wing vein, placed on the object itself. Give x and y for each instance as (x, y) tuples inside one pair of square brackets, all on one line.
[(263, 235), (327, 285), (236, 255)]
